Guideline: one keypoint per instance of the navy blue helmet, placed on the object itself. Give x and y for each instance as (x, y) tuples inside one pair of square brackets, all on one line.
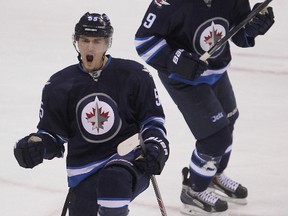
[(93, 24)]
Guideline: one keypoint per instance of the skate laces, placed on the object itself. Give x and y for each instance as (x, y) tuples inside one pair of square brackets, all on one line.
[(207, 197), (227, 182)]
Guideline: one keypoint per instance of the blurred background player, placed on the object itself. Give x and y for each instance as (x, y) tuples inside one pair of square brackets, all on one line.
[(93, 106), (171, 38)]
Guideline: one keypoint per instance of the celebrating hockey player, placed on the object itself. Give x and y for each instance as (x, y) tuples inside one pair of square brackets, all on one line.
[(172, 37), (93, 106)]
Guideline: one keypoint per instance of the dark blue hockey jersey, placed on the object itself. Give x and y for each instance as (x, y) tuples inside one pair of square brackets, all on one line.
[(191, 25), (95, 116)]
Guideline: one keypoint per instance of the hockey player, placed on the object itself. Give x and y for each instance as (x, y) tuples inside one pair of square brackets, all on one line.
[(172, 36), (93, 106)]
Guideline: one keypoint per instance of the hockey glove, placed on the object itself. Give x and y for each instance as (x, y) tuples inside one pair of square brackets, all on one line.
[(188, 65), (31, 150), (152, 163), (261, 23)]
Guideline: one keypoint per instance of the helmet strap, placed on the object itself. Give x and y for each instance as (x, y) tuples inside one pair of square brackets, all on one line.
[(79, 55)]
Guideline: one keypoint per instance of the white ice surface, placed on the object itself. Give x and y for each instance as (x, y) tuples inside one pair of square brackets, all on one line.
[(36, 42)]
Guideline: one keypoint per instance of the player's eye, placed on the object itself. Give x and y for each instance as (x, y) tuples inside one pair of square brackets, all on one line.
[(84, 40), (97, 41)]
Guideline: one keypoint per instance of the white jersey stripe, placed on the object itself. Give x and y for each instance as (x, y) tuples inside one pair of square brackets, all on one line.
[(153, 51), (79, 171)]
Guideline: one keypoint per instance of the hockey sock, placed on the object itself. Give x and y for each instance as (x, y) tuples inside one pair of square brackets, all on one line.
[(202, 170)]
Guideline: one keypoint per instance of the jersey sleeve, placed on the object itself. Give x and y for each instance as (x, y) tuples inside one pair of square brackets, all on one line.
[(241, 12), (53, 112), (151, 37), (150, 114)]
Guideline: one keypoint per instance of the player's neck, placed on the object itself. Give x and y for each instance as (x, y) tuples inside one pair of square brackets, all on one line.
[(101, 65)]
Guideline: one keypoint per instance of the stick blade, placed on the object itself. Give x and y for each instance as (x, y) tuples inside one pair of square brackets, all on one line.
[(128, 145)]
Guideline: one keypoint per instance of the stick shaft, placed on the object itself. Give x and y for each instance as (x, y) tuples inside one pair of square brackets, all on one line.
[(158, 196), (66, 204), (155, 184)]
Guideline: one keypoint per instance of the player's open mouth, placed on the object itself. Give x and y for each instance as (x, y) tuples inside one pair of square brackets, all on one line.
[(89, 58)]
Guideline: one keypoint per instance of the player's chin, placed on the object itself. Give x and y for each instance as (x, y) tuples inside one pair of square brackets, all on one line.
[(88, 65)]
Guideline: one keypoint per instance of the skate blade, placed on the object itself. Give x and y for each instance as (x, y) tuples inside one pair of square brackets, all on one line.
[(196, 211), (225, 197)]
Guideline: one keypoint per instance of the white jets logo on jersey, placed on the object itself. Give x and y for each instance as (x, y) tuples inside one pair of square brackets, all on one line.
[(97, 118), (160, 3), (213, 36), (208, 34)]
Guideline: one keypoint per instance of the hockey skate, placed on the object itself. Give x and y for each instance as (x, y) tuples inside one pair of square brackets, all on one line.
[(228, 190), (200, 203)]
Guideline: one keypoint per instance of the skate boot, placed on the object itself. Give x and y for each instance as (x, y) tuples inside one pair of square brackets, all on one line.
[(228, 189), (200, 203)]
